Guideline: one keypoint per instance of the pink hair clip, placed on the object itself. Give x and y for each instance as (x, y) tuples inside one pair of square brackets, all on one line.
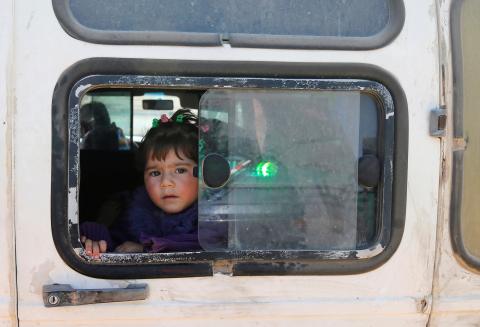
[(205, 128), (164, 118)]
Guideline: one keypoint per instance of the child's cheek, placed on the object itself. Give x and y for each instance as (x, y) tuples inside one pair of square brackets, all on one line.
[(152, 185), (191, 190), (149, 180)]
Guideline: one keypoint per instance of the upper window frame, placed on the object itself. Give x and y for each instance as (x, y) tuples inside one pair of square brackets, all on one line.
[(94, 73), (78, 31)]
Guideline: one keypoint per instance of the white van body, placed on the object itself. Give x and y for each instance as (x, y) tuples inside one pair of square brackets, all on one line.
[(423, 283)]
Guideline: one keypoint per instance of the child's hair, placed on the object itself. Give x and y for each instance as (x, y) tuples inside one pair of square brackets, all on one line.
[(178, 133)]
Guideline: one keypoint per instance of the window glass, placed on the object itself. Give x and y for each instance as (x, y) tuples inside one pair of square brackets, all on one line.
[(297, 162), (280, 17), (470, 47), (304, 165), (151, 105), (105, 121)]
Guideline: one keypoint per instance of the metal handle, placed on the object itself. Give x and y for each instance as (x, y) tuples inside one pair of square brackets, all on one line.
[(59, 295)]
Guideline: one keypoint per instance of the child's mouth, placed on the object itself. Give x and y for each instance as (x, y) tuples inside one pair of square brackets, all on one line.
[(169, 197)]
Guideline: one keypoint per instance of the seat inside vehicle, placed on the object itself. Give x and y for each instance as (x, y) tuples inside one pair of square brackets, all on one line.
[(104, 177)]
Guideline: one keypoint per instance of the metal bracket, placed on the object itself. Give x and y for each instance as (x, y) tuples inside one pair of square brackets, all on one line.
[(438, 122), (59, 295), (459, 144)]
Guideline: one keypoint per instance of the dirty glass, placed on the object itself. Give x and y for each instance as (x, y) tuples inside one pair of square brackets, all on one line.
[(470, 210), (105, 120), (352, 18), (294, 169)]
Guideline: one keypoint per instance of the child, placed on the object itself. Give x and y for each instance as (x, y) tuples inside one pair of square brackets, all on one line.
[(161, 215)]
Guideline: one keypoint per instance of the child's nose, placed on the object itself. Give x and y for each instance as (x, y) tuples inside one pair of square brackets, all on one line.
[(167, 181)]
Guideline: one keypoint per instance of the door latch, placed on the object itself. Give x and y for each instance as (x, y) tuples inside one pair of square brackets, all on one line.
[(59, 295), (438, 122)]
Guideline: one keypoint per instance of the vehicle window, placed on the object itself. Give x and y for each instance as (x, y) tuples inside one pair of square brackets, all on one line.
[(280, 17), (465, 200), (297, 155), (305, 167), (298, 171), (238, 22), (294, 157)]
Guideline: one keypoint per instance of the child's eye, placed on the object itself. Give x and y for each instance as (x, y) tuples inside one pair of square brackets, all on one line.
[(154, 173), (180, 170)]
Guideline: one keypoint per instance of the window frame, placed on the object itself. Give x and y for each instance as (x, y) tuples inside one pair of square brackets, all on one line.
[(456, 238), (78, 31), (97, 72)]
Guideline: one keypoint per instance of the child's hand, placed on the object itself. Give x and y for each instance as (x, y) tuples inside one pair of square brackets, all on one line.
[(129, 247), (94, 248)]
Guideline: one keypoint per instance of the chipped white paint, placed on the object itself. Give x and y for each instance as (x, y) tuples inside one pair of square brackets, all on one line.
[(370, 252), (82, 88), (72, 205), (389, 115)]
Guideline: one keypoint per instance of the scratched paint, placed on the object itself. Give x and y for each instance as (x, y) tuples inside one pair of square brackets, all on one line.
[(80, 89)]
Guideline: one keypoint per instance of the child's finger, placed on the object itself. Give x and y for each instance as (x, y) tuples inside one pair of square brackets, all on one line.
[(95, 249), (103, 246), (88, 247), (83, 238)]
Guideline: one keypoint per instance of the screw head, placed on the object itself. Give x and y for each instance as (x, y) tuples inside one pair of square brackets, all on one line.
[(53, 299)]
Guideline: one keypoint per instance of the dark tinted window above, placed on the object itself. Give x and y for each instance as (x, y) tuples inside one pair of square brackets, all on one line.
[(307, 24), (279, 17)]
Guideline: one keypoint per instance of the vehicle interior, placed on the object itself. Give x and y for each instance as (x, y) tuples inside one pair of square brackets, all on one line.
[(261, 184)]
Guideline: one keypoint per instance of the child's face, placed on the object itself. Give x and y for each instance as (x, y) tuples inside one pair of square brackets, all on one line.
[(170, 183)]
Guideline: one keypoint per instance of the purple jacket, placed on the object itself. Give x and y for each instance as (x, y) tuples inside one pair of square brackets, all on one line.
[(145, 223)]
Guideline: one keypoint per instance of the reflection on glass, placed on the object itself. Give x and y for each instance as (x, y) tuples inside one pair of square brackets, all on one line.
[(105, 121), (294, 169)]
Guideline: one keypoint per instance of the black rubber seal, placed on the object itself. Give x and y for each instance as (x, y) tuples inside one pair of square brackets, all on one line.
[(456, 237), (243, 263), (78, 31)]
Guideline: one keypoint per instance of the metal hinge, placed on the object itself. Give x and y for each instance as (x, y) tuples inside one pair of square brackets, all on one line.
[(438, 122), (225, 38), (459, 144)]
